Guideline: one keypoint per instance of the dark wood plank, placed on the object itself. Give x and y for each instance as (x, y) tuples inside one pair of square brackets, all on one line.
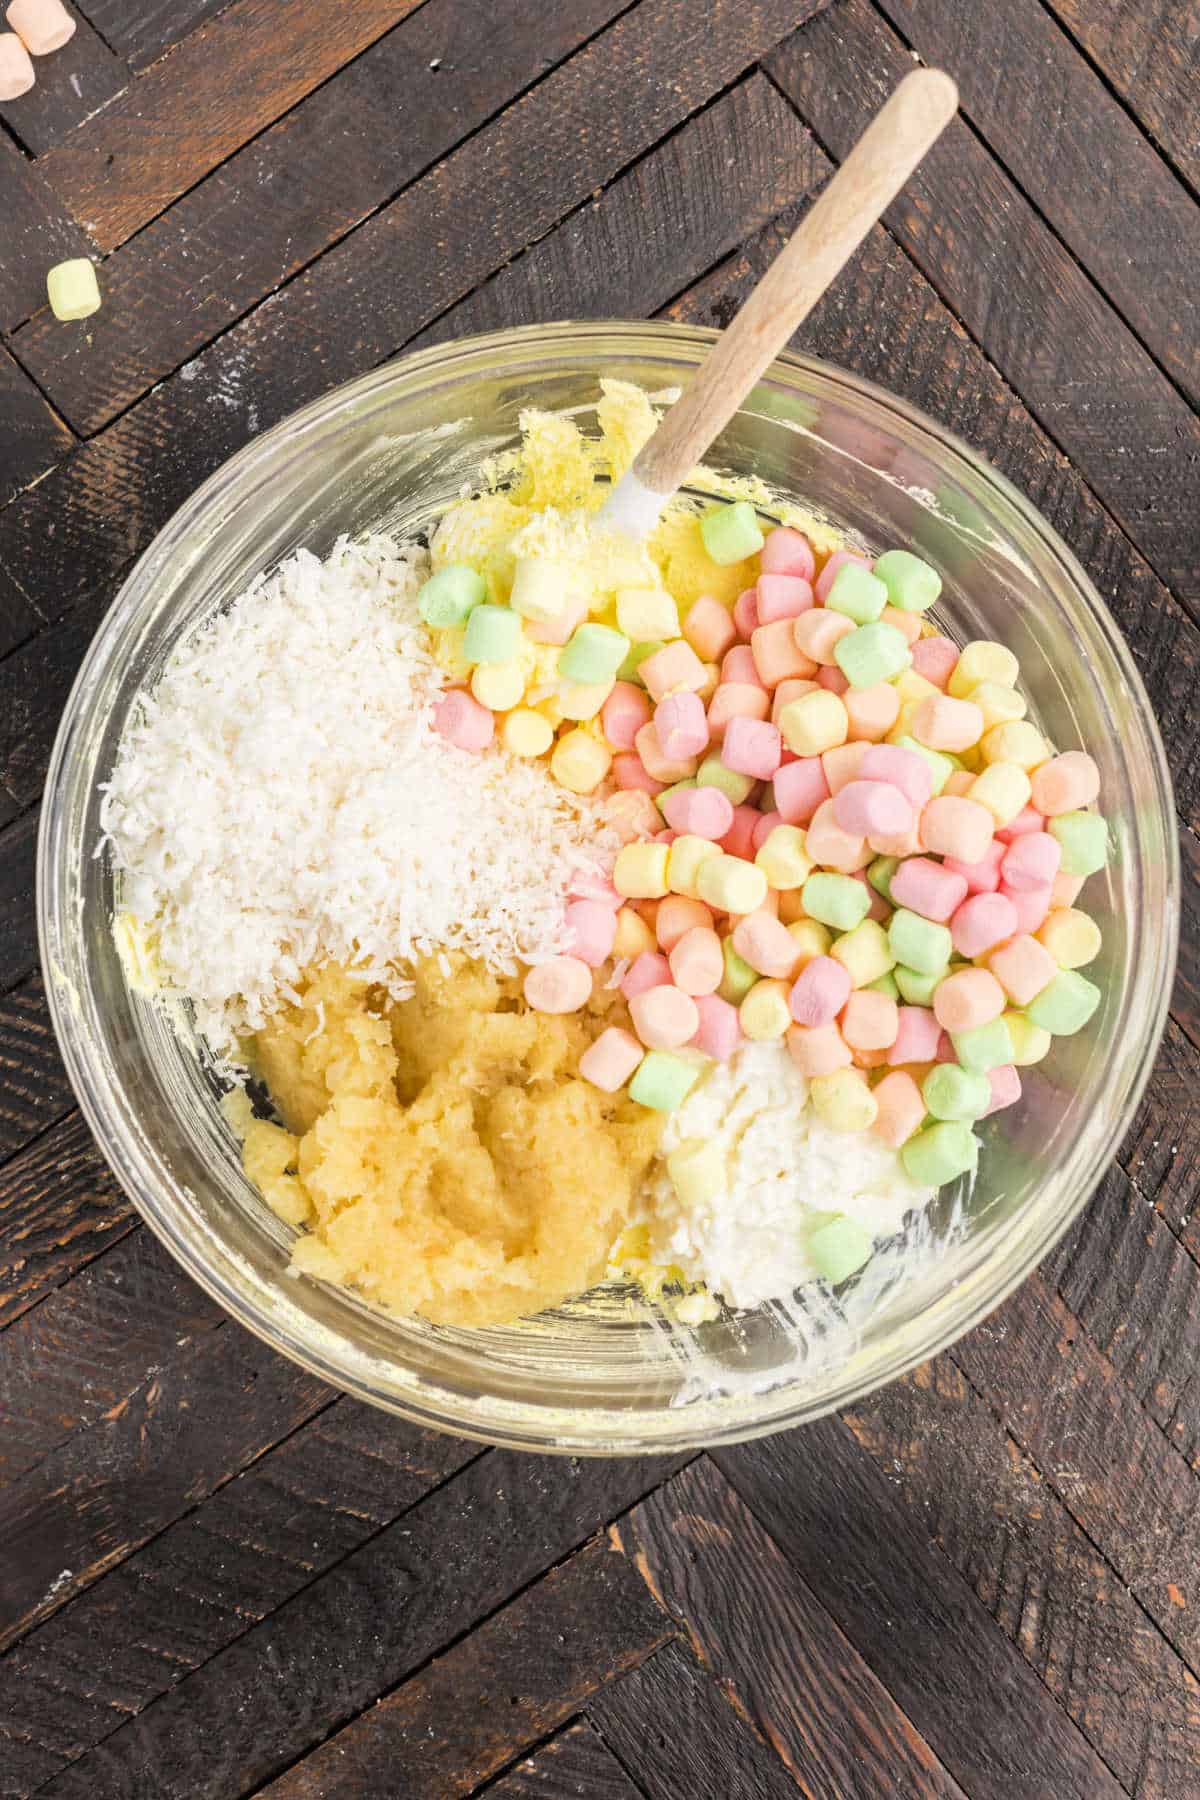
[(359, 1630), (1149, 53), (1111, 1466), (572, 1766), (772, 1646), (841, 1523), (1161, 1152), (988, 1510), (682, 1737), (188, 112), (38, 232), (75, 83), (1074, 149), (108, 1489), (34, 684), (88, 1346), (521, 1674), (141, 30), (18, 931), (1185, 1000), (34, 1090), (32, 436), (198, 1586), (59, 1208), (985, 249), (19, 618), (281, 201)]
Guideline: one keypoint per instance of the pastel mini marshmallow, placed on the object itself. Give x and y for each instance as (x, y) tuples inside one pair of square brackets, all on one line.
[(900, 1108), (719, 1032), (745, 613), (1023, 967), (918, 1036), (966, 999), (800, 787), (697, 961), (43, 26), (833, 848), (591, 926), (786, 551), (561, 985), (982, 922), (648, 970), (935, 658), (709, 628), (782, 597), (865, 808), (1065, 783), (872, 711), (462, 721), (700, 811), (681, 726), (762, 942), (676, 665), (903, 769), (818, 633), (953, 825), (665, 1018), (657, 762), (777, 652), (752, 747), (1031, 860), (982, 877), (819, 992), (678, 914), (611, 1059), (735, 700), (624, 713), (818, 1051), (829, 573), (932, 889)]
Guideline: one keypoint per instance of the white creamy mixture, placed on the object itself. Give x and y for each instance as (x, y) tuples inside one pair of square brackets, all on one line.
[(749, 1243)]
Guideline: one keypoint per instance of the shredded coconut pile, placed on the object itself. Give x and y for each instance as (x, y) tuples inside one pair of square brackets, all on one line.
[(281, 800)]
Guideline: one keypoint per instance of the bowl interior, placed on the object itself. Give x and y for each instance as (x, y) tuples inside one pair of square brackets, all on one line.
[(612, 1372)]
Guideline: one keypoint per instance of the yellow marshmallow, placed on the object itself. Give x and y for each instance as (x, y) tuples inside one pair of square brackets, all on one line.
[(501, 686), (731, 885), (583, 700), (811, 938), (688, 853), (579, 763), (1016, 741), (697, 1170), (843, 1101), (1072, 937), (447, 646), (765, 1013), (999, 705), (712, 679), (647, 615), (1004, 789), (783, 858), (982, 661), (912, 687), (814, 723), (634, 936), (1029, 1042), (640, 871), (525, 732), (865, 953)]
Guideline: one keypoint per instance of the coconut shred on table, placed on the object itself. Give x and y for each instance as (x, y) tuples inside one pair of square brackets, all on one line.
[(582, 904)]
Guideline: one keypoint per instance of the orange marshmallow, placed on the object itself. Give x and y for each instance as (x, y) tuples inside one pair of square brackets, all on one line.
[(872, 711), (831, 847), (777, 655), (908, 624), (841, 764), (901, 1108), (818, 1050), (952, 825), (817, 632), (697, 965), (869, 1020), (677, 915), (968, 998)]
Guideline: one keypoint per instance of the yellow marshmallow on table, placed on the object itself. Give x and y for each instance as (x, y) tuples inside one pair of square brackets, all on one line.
[(579, 763), (633, 936), (72, 289), (647, 615), (687, 854), (982, 660), (1004, 789), (1015, 741), (843, 1101), (500, 686), (525, 732), (765, 1013)]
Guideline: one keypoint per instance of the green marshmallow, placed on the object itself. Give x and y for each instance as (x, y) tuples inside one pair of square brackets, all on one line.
[(593, 655), (1065, 1005), (838, 1246), (872, 653), (635, 656), (835, 900), (450, 596), (916, 989), (879, 874), (713, 773), (912, 586), (856, 593), (918, 943), (953, 1093), (676, 787), (738, 978), (1084, 840), (663, 1081), (984, 1047), (886, 984), (493, 634), (940, 1152), (731, 533), (941, 765)]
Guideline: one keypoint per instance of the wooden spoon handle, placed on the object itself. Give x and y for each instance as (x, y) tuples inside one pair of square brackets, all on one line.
[(832, 229)]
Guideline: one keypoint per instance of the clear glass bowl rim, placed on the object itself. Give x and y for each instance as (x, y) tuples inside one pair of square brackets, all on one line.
[(648, 1432)]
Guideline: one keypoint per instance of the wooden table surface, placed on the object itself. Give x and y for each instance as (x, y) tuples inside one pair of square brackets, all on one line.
[(218, 1577)]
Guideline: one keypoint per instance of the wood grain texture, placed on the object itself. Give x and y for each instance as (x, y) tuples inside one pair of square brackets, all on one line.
[(1149, 53), (34, 1090), (518, 1676), (34, 684), (32, 436), (362, 1628), (1161, 1152), (575, 1765), (841, 1523), (140, 30), (246, 229), (73, 84), (1059, 131), (764, 1637), (188, 112), (18, 931), (197, 1587), (19, 618), (1053, 335), (38, 232), (989, 1511), (1185, 999)]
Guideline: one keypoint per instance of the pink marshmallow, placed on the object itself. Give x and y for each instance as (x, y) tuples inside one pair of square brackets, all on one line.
[(818, 1050), (932, 889), (981, 923), (591, 928), (677, 915), (765, 944), (904, 769), (1031, 861), (664, 1017), (833, 563), (818, 632), (942, 723), (709, 628), (782, 597), (736, 700), (967, 998), (832, 847), (981, 877), (819, 992), (738, 665), (935, 658), (700, 812), (800, 788), (777, 655), (623, 714), (720, 1030), (952, 825), (461, 720), (766, 824), (1032, 904), (788, 552), (697, 964), (610, 1061), (561, 985), (558, 629), (745, 613), (631, 772), (842, 765), (657, 762), (1027, 820), (1005, 1084), (872, 808), (751, 747), (872, 711), (646, 971), (831, 678), (900, 1108), (676, 665), (1023, 967), (681, 726), (739, 839), (587, 884), (918, 1035), (1066, 889)]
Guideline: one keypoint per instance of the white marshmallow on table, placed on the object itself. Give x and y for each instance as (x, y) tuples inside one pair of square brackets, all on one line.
[(16, 70), (41, 25)]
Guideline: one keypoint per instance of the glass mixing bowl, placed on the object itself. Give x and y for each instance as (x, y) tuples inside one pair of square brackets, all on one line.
[(612, 1372)]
